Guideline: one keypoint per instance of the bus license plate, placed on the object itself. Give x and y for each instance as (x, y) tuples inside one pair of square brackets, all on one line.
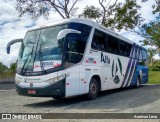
[(31, 91)]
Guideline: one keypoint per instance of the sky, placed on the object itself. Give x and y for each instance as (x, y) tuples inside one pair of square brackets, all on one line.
[(14, 27)]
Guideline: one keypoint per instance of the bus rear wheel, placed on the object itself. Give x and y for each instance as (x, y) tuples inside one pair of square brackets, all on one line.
[(93, 89), (138, 82)]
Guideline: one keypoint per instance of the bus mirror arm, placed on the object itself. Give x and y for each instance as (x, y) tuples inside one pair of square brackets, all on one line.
[(12, 42), (64, 32)]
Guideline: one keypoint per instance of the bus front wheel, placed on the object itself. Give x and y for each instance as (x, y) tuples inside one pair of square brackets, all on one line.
[(93, 89)]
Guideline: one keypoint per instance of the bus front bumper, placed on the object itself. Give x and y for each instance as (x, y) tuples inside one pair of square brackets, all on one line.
[(53, 90)]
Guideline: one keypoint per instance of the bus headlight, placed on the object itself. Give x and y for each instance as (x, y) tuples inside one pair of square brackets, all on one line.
[(53, 80), (17, 81)]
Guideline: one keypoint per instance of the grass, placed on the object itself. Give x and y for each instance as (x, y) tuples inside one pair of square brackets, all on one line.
[(154, 77), (7, 75)]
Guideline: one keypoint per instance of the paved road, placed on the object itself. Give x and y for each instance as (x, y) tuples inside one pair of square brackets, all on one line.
[(144, 99)]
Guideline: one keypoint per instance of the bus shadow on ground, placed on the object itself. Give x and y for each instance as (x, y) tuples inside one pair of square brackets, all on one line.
[(119, 99), (58, 102), (73, 100)]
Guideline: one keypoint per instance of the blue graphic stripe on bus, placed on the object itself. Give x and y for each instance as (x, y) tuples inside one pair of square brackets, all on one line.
[(132, 50), (132, 67), (134, 74), (128, 67), (131, 71), (129, 64), (133, 80)]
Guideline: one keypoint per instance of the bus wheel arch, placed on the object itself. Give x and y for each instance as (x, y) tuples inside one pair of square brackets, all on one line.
[(94, 87), (138, 81), (97, 77)]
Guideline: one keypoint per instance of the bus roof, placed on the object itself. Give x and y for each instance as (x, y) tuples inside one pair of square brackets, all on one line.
[(87, 22)]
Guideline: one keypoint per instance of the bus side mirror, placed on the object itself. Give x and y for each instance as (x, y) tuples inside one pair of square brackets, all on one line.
[(12, 42), (64, 32)]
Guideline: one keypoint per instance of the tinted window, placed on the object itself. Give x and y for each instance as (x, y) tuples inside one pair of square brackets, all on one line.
[(99, 41), (142, 57), (112, 45), (84, 29), (140, 54), (144, 54), (105, 42), (124, 48), (76, 43), (73, 53), (134, 55)]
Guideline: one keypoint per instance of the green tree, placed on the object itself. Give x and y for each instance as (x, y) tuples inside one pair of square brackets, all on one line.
[(115, 15), (3, 68), (91, 12), (156, 7), (13, 67), (151, 53), (151, 31), (37, 8)]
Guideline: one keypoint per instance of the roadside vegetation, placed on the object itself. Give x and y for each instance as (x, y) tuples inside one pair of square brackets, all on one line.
[(154, 72), (154, 77), (7, 72)]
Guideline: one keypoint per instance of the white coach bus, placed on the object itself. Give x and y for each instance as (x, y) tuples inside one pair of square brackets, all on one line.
[(77, 56)]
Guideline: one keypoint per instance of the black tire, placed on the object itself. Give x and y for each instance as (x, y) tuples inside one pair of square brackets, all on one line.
[(93, 89), (138, 82)]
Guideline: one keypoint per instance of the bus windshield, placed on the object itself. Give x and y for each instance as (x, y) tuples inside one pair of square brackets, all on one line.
[(26, 53), (41, 50)]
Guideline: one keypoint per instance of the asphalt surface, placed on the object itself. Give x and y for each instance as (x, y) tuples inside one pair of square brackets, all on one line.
[(145, 99), (7, 85)]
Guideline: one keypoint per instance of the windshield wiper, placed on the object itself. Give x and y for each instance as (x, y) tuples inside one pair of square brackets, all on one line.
[(40, 59), (27, 61)]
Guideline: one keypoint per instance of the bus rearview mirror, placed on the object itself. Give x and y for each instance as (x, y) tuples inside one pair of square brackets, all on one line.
[(12, 42), (64, 32)]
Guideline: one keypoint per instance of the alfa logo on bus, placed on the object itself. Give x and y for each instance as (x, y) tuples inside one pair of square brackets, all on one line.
[(105, 59), (116, 71)]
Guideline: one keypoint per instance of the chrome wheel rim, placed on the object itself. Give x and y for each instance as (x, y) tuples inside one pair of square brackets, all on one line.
[(93, 88)]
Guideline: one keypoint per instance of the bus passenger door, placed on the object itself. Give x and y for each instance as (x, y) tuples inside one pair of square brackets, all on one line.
[(82, 80), (145, 74), (143, 71), (106, 79), (72, 81)]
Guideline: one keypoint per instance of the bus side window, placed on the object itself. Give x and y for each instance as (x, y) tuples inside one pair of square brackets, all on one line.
[(138, 51), (112, 45), (142, 57), (124, 48), (140, 54), (99, 40), (73, 52), (134, 54), (144, 54), (129, 46)]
